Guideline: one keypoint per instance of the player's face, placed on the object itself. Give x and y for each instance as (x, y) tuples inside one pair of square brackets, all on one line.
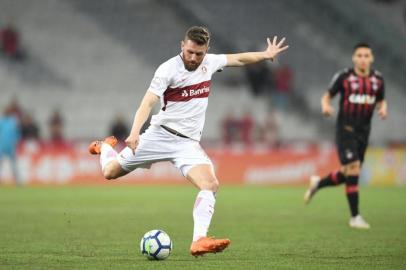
[(193, 54), (362, 59)]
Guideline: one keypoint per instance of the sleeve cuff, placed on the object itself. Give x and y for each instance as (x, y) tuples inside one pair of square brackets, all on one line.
[(155, 92)]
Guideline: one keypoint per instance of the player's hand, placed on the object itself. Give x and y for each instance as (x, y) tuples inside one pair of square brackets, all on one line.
[(327, 110), (274, 47), (382, 112), (132, 142)]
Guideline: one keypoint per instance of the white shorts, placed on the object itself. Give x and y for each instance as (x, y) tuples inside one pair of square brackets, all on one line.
[(157, 144)]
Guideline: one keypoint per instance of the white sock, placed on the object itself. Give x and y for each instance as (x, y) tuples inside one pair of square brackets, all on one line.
[(107, 154), (202, 213)]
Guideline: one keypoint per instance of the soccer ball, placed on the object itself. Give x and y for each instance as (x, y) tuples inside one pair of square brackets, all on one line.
[(156, 245)]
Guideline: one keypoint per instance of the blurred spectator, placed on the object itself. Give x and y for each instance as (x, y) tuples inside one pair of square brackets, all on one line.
[(269, 130), (15, 108), (283, 83), (260, 78), (246, 128), (10, 43), (119, 128), (29, 129), (55, 125), (230, 128), (9, 137)]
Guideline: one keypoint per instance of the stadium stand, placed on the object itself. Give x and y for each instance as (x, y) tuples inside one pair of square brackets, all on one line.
[(85, 60)]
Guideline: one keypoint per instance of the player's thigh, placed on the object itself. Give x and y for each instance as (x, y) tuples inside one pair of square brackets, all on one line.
[(362, 146), (195, 164), (347, 147), (203, 177), (155, 145), (348, 152)]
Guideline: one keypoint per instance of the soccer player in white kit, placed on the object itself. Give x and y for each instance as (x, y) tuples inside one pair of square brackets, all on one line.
[(182, 84)]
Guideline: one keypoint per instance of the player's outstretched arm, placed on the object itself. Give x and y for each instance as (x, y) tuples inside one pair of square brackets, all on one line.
[(241, 59), (382, 109), (326, 108), (141, 116)]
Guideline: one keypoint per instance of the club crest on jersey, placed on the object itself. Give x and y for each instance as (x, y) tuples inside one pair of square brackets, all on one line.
[(352, 78), (204, 69), (354, 86), (374, 79), (375, 87)]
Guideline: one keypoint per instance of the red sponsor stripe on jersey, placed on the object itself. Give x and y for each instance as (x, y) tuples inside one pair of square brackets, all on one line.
[(346, 95), (358, 107), (368, 92), (352, 105), (186, 93)]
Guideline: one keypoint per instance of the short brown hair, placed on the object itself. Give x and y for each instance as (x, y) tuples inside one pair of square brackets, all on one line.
[(198, 34)]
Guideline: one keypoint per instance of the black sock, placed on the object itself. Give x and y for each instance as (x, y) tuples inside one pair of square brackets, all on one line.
[(332, 179), (352, 194)]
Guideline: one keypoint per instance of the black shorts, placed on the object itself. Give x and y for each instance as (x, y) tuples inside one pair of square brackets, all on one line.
[(351, 144)]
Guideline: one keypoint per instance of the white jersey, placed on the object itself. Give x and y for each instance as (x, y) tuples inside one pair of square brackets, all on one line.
[(184, 94)]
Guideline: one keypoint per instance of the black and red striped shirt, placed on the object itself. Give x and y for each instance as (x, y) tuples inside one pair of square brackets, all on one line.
[(358, 96)]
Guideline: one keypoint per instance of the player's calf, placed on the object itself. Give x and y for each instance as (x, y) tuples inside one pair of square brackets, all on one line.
[(316, 183)]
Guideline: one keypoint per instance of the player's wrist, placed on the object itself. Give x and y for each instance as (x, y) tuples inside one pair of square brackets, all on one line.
[(265, 55), (134, 133)]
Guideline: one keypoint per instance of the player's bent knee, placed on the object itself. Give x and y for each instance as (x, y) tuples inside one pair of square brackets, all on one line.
[(113, 171), (109, 175), (211, 184), (215, 185), (203, 177), (353, 168)]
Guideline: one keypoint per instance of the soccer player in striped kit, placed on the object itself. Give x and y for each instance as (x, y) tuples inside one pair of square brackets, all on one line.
[(361, 90), (182, 84)]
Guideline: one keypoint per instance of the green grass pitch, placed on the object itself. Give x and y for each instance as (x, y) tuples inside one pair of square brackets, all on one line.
[(99, 227)]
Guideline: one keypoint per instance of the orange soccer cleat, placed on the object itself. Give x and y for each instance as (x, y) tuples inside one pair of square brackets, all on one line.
[(208, 245), (95, 147)]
